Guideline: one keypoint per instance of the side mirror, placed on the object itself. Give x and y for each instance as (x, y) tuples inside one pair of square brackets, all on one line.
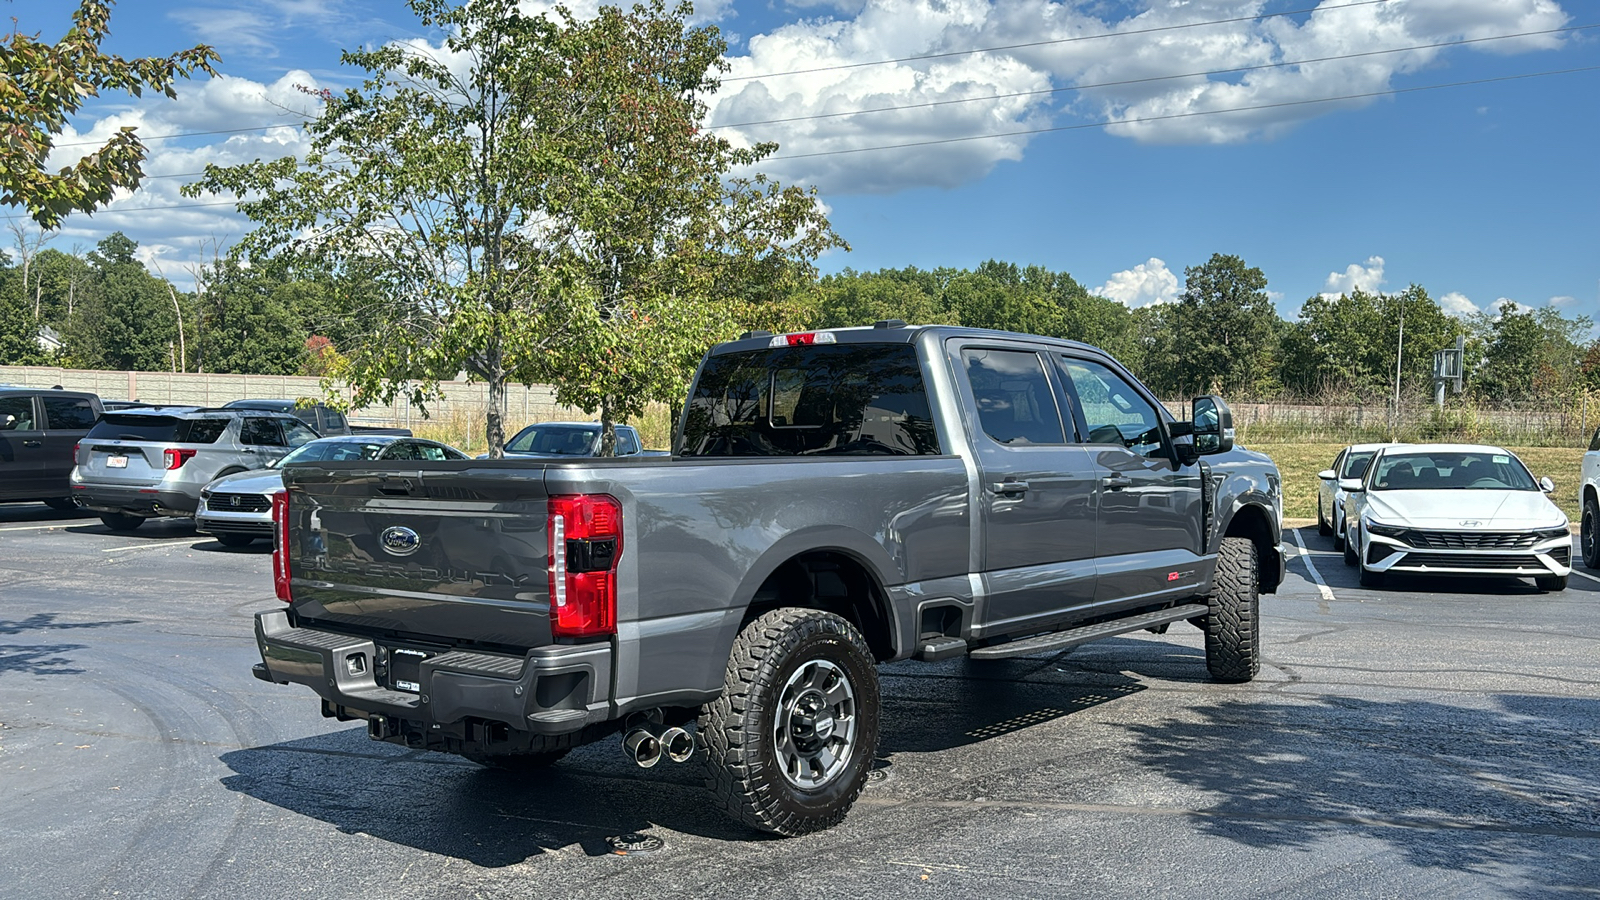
[(1546, 485), (1213, 424), (8, 422), (1328, 475), (1351, 485)]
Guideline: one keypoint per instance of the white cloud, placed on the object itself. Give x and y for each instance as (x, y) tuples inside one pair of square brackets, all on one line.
[(1456, 303), (1355, 276), (1147, 283)]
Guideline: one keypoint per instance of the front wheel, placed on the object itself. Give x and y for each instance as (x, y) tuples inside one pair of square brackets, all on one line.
[(790, 741), (1233, 623), (1589, 534), (121, 521)]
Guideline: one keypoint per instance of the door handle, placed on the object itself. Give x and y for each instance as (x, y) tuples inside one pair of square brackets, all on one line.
[(1009, 487), (1116, 482), (33, 443)]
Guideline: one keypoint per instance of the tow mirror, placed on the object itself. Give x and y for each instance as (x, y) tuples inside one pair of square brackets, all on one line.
[(1351, 485), (1546, 485), (1328, 475), (8, 422), (1213, 424)]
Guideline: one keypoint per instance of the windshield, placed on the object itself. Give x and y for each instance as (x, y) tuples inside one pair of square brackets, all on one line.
[(1473, 470), (1355, 465), (556, 440), (333, 451)]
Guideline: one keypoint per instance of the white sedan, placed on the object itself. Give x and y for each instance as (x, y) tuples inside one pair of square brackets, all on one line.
[(1454, 509), (1350, 463)]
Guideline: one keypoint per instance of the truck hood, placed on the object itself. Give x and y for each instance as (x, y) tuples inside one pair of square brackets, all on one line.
[(255, 481), (1453, 509)]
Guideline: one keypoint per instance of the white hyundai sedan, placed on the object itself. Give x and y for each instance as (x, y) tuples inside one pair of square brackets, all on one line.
[(1350, 463), (1454, 509)]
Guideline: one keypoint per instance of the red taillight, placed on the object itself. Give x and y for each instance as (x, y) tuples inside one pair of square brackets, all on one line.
[(176, 457), (75, 451), (280, 545), (585, 545), (802, 339)]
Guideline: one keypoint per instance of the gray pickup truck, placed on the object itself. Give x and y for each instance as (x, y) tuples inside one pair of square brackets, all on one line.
[(834, 500)]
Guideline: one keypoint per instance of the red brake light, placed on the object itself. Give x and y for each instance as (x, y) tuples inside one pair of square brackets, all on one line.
[(176, 457), (585, 545), (802, 339), (280, 545)]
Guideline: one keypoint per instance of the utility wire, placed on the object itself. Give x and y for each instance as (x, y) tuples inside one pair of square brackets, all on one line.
[(1187, 115), (1066, 40), (1153, 78)]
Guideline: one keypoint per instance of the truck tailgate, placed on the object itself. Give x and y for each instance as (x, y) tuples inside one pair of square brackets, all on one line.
[(444, 552)]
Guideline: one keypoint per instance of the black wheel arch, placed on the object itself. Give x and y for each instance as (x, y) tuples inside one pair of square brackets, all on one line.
[(1257, 520)]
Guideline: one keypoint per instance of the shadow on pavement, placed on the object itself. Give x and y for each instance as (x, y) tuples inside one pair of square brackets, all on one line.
[(43, 659)]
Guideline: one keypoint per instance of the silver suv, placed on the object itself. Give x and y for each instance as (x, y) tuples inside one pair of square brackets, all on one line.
[(138, 464)]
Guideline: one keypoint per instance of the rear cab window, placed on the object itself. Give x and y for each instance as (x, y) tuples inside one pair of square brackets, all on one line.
[(815, 400), (158, 429)]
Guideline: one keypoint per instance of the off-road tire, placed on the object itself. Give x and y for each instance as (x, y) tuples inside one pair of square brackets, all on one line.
[(121, 522), (1233, 622), (61, 504), (234, 540), (1589, 534), (1554, 584), (743, 766), (1323, 528)]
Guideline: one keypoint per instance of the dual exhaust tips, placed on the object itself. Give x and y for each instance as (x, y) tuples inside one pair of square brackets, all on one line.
[(646, 744)]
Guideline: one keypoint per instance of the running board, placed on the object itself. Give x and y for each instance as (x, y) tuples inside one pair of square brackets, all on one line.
[(1056, 640)]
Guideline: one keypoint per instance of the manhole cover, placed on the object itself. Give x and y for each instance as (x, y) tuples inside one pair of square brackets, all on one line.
[(634, 842)]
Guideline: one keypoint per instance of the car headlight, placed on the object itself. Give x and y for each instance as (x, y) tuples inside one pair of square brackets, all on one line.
[(1549, 534), (1393, 531)]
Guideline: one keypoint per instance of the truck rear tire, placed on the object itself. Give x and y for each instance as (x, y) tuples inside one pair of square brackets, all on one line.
[(1233, 624), (792, 738)]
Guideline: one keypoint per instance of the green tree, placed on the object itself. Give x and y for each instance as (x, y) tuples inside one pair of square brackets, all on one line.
[(1221, 335), (45, 84), (549, 211), (127, 319), (19, 331), (1529, 354), (246, 323)]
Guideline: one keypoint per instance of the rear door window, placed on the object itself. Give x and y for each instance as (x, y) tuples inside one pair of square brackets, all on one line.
[(820, 399), (68, 413), (1015, 401)]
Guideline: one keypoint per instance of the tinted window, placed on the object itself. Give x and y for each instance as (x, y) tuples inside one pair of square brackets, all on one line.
[(627, 443), (1452, 470), (1355, 465), (165, 429), (298, 434), (561, 440), (862, 399), (68, 413), (334, 420), (260, 432), (1113, 410), (21, 408), (333, 451), (1016, 405)]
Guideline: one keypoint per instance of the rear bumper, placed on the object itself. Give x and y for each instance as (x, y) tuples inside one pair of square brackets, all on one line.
[(552, 690), (139, 501)]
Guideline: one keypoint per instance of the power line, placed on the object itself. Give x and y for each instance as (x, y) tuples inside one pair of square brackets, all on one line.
[(1188, 115), (139, 209), (181, 134), (1153, 78), (1066, 40)]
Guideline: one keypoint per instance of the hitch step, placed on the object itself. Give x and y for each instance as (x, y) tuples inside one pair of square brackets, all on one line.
[(1056, 640)]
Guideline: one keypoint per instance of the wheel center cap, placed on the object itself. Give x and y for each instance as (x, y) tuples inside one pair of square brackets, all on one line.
[(823, 728)]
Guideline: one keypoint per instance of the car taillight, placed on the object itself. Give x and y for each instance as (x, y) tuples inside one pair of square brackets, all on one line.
[(585, 545), (280, 545), (177, 456)]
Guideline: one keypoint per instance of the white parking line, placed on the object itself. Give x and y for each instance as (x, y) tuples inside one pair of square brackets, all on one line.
[(150, 545), (40, 527), (1585, 575), (1322, 586)]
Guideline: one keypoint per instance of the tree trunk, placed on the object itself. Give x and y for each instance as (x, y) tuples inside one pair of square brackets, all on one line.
[(608, 431), (494, 422)]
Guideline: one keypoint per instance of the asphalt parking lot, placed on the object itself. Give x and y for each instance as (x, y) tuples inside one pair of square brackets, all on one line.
[(1431, 739)]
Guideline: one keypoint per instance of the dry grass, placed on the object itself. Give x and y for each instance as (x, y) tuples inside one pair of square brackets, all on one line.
[(464, 429), (1300, 463)]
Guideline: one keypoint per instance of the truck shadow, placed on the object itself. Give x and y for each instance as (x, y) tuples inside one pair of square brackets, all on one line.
[(1510, 795)]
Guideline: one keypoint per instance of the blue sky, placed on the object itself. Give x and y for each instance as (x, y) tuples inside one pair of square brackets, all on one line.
[(1481, 192)]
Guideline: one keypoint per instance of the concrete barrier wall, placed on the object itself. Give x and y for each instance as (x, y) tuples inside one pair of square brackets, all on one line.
[(460, 398)]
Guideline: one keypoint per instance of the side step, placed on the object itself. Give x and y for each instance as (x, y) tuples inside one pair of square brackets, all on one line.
[(1056, 640)]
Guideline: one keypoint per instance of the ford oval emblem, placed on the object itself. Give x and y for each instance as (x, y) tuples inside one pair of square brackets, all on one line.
[(399, 540)]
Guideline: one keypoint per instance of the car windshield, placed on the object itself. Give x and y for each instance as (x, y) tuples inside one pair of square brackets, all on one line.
[(333, 451), (1471, 470), (556, 440), (1355, 465)]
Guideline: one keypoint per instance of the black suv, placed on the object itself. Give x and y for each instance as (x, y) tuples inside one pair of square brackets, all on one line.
[(39, 428)]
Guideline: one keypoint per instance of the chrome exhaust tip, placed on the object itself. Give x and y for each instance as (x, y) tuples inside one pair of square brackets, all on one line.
[(643, 746), (677, 744)]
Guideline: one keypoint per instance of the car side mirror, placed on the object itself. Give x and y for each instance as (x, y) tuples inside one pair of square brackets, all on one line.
[(1546, 485), (8, 422), (1328, 475), (1351, 485), (1213, 424)]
